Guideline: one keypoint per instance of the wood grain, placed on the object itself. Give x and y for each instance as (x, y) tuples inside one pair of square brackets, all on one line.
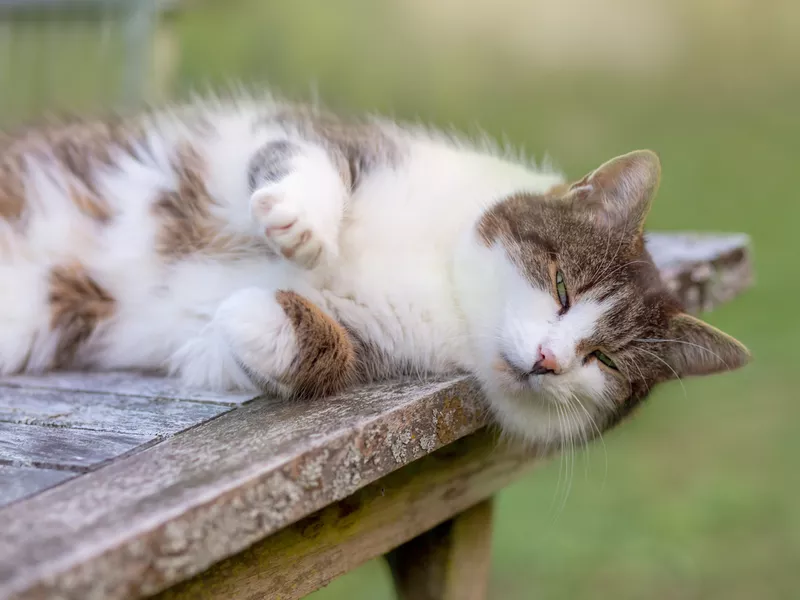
[(148, 417), (19, 482), (159, 516), (382, 516), (123, 383), (61, 449), (164, 514), (704, 270)]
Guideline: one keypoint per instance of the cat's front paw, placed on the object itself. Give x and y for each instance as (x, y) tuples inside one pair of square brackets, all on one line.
[(292, 215)]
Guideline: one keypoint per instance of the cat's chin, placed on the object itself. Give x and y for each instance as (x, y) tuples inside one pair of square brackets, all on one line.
[(534, 416)]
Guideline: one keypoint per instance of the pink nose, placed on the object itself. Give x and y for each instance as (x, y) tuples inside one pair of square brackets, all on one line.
[(546, 363)]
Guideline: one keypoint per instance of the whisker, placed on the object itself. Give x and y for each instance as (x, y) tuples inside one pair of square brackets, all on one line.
[(657, 357), (607, 277), (644, 379), (659, 340), (584, 439), (613, 258), (560, 459), (599, 435), (605, 255), (570, 462)]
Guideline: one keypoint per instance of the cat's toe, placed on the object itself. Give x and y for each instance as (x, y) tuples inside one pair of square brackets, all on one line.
[(287, 229), (300, 246), (272, 210)]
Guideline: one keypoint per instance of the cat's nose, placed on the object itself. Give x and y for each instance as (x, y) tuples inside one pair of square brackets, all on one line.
[(546, 363)]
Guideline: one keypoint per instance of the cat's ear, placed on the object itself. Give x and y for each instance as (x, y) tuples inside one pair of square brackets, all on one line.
[(697, 348), (620, 190)]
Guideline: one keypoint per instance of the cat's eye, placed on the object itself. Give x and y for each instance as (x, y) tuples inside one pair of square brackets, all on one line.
[(604, 359), (561, 290)]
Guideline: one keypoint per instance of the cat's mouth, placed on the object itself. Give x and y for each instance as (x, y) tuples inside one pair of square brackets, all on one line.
[(518, 379)]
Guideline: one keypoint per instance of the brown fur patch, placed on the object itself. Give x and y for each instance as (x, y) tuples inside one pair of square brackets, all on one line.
[(327, 361), (80, 145), (91, 205), (12, 190), (77, 306), (354, 146), (559, 190), (188, 222), (77, 147)]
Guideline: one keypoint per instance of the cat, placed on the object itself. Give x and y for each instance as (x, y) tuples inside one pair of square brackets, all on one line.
[(255, 244)]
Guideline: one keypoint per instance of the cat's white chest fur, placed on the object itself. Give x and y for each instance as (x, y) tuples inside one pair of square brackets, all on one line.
[(398, 244)]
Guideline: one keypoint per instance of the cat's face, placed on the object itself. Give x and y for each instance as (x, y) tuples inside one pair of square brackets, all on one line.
[(572, 325)]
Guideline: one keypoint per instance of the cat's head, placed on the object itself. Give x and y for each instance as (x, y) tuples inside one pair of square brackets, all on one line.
[(570, 322)]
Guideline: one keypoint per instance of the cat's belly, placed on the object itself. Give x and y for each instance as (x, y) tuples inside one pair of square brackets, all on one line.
[(402, 306), (392, 281), (157, 311)]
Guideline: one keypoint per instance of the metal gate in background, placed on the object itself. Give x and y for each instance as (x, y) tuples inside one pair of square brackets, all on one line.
[(63, 56)]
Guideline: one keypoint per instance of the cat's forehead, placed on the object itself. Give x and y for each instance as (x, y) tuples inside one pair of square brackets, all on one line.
[(548, 222), (537, 230)]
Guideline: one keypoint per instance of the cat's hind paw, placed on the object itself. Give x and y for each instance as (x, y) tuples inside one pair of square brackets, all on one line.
[(260, 335), (250, 344)]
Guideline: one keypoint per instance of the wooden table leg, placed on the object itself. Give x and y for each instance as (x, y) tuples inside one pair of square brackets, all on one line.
[(449, 562)]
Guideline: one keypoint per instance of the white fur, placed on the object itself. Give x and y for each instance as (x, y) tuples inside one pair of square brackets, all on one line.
[(309, 201), (404, 267), (250, 325), (507, 316)]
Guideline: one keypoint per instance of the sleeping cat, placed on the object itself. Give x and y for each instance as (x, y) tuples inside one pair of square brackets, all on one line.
[(260, 245)]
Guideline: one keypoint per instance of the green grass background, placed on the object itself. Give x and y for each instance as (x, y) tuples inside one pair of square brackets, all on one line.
[(700, 495)]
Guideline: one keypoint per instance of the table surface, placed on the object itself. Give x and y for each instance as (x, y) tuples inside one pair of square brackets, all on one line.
[(117, 485)]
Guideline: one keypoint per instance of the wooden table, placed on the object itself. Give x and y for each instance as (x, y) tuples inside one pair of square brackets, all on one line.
[(120, 486)]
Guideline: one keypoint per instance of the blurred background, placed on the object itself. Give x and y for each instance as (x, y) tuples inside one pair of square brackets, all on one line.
[(699, 495)]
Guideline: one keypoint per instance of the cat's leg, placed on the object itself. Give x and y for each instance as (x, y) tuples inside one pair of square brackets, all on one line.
[(280, 342), (299, 191)]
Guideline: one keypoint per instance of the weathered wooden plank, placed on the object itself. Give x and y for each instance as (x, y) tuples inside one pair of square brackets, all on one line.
[(449, 562), (150, 417), (70, 449), (159, 516), (374, 520), (123, 383), (19, 482), (704, 270)]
